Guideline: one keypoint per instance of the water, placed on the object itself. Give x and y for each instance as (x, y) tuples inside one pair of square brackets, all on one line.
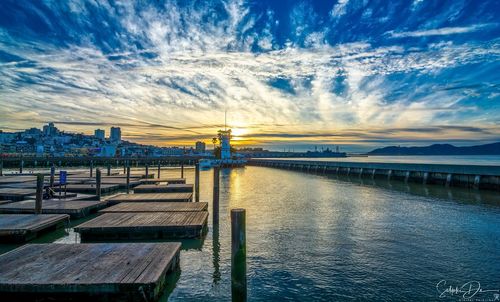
[(487, 160), (322, 238)]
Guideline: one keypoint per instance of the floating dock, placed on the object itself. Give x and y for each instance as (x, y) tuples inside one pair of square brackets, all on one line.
[(16, 193), (74, 208), (148, 181), (153, 197), (88, 188), (24, 227), (89, 272), (138, 207), (160, 188), (144, 226)]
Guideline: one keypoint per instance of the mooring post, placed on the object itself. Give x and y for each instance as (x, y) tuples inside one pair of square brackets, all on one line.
[(215, 204), (91, 168), (159, 169), (109, 170), (182, 170), (124, 167), (1, 168), (52, 175), (39, 194), (21, 165), (128, 180), (98, 183), (238, 255), (197, 181), (147, 171)]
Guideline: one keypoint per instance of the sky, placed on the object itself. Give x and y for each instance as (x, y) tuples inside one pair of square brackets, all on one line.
[(290, 74)]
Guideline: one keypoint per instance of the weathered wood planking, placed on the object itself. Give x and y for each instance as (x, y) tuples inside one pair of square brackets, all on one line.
[(149, 181), (24, 227), (88, 188), (157, 197), (121, 182), (74, 208), (16, 193), (156, 207), (142, 226), (89, 272), (158, 188)]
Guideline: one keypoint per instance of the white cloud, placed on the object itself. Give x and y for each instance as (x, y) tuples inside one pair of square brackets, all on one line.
[(438, 31)]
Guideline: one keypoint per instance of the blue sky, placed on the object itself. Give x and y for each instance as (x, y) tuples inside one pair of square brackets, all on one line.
[(291, 74)]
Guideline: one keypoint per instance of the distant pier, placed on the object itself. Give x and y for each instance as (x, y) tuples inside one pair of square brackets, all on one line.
[(472, 176)]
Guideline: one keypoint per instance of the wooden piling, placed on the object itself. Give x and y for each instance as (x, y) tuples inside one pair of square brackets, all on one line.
[(52, 175), (109, 170), (128, 180), (1, 168), (21, 165), (98, 183), (197, 182), (147, 170), (91, 168), (182, 170), (39, 194), (238, 255), (159, 169), (215, 203)]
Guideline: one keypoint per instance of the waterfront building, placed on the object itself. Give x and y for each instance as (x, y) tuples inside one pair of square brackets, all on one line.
[(116, 134), (100, 134), (225, 144)]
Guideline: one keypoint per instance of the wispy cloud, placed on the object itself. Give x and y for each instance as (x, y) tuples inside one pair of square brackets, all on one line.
[(444, 31)]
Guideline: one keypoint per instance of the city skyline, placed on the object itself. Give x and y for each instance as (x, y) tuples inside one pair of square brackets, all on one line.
[(294, 75)]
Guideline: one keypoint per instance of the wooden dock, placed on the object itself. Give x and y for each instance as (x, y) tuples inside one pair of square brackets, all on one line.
[(138, 207), (89, 272), (74, 208), (144, 226), (151, 181), (16, 193), (24, 227), (161, 188), (88, 188), (156, 197)]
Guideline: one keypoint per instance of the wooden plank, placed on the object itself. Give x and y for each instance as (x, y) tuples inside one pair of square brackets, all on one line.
[(154, 197), (156, 207), (24, 227), (131, 226), (74, 208), (104, 272), (162, 188)]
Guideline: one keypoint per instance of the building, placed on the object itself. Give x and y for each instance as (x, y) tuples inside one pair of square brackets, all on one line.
[(225, 144), (100, 134), (50, 130), (200, 147), (116, 134)]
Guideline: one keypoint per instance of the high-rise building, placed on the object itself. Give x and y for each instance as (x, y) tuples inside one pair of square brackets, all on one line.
[(50, 130), (116, 134), (100, 134), (200, 147)]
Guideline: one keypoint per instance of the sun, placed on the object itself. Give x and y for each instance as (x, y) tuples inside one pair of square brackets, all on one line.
[(238, 131)]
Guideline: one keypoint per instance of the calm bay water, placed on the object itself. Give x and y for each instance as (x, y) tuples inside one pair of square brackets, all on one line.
[(323, 238)]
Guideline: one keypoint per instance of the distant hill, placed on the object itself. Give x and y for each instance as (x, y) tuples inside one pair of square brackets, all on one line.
[(439, 149)]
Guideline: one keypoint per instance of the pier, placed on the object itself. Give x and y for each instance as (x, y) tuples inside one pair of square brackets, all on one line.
[(21, 228), (473, 176)]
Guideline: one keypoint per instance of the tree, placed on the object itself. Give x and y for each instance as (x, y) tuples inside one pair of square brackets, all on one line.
[(214, 141)]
